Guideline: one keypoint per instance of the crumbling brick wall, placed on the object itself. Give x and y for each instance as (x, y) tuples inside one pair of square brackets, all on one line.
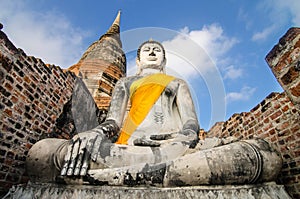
[(284, 61), (33, 96), (277, 121), (276, 118)]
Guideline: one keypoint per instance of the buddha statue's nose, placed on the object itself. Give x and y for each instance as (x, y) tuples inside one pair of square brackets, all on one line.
[(152, 54)]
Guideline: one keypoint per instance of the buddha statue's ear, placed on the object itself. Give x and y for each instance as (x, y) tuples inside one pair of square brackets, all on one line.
[(137, 61), (164, 62), (139, 70), (163, 70)]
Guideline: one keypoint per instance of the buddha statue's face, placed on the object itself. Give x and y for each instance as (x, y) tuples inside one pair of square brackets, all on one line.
[(151, 55)]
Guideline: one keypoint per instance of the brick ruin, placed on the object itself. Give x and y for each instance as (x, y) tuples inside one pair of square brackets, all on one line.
[(35, 100), (277, 117), (33, 96)]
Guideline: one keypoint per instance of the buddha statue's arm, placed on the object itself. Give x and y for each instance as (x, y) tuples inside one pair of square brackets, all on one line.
[(188, 116), (76, 160), (118, 104), (117, 109)]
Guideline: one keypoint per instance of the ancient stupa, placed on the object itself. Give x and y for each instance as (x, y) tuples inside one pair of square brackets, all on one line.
[(102, 65)]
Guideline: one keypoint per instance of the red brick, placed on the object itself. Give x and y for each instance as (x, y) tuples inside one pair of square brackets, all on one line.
[(14, 99), (41, 105), (259, 132), (295, 128), (276, 114), (267, 127), (19, 95), (28, 145), (16, 77), (287, 100), (27, 79), (8, 86), (272, 131), (266, 120), (273, 139), (297, 153), (290, 138), (277, 106), (283, 126), (295, 91), (18, 110), (285, 108), (8, 112)]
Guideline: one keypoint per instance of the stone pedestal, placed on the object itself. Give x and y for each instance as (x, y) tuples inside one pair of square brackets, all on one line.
[(262, 191)]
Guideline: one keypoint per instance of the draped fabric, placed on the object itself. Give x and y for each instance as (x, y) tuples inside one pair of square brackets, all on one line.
[(143, 94)]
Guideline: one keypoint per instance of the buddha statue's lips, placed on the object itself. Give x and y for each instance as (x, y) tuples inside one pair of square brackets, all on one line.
[(151, 58)]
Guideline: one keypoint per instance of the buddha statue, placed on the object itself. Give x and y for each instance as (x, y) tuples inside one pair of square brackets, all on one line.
[(150, 136)]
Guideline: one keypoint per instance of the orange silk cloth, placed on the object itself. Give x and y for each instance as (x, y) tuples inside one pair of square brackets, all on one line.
[(144, 93)]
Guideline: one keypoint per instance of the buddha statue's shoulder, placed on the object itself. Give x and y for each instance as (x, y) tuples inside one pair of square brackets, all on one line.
[(178, 82), (127, 81)]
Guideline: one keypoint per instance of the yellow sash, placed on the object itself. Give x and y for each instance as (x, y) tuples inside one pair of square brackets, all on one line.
[(143, 94)]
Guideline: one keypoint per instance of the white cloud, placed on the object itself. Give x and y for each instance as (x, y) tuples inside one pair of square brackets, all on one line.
[(293, 6), (263, 34), (231, 72), (48, 36), (197, 51), (213, 40), (243, 95), (281, 14), (286, 10)]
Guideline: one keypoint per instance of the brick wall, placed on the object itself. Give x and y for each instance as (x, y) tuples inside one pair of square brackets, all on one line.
[(277, 117), (277, 121), (284, 61), (32, 96)]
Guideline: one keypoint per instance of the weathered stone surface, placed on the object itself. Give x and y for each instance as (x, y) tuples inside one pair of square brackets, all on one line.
[(84, 109), (259, 191)]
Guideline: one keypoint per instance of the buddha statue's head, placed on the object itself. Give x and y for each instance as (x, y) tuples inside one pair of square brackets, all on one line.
[(151, 57)]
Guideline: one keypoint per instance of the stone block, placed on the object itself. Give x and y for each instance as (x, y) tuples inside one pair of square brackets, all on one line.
[(84, 109), (267, 190)]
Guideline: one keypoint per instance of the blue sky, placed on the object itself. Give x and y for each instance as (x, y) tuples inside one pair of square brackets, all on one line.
[(217, 46)]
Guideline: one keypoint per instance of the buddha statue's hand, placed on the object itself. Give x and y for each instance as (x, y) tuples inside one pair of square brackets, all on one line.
[(110, 129), (145, 142), (82, 149), (187, 137), (166, 136)]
